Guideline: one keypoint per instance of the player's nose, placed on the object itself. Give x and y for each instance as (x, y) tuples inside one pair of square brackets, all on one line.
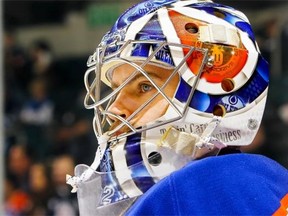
[(120, 106)]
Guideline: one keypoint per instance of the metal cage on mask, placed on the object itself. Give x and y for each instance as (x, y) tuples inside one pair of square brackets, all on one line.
[(101, 62)]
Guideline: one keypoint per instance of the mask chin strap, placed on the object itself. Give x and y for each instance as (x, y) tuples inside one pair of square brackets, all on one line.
[(75, 181), (194, 145)]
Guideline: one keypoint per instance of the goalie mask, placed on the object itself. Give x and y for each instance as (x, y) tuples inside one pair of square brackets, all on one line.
[(171, 82)]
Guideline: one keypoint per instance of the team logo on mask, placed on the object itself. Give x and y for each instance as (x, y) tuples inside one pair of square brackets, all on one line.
[(232, 103), (252, 124)]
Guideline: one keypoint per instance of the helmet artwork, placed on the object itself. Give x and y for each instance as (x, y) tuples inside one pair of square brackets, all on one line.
[(219, 99)]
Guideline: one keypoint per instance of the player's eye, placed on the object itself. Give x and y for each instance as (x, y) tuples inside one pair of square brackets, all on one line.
[(144, 87)]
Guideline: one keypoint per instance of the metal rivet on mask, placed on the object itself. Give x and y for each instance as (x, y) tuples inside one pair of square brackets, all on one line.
[(219, 110), (219, 14), (210, 62), (227, 84)]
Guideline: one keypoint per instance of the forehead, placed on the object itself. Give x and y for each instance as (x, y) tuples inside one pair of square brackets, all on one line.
[(122, 72)]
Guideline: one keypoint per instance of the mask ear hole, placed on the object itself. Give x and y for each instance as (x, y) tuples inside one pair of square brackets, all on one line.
[(154, 158), (227, 84), (191, 28), (219, 110)]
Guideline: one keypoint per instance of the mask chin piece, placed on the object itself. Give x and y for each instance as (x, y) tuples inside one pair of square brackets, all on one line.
[(89, 196), (76, 180)]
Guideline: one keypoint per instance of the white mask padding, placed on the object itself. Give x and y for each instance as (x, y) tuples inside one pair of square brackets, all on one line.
[(215, 33), (90, 196), (194, 145)]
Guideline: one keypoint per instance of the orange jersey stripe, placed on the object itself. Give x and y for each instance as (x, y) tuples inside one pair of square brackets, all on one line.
[(283, 209)]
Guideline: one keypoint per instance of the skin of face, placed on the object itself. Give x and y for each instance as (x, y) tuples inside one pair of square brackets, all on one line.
[(138, 91)]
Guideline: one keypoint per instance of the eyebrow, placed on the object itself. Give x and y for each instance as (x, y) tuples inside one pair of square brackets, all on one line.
[(114, 85)]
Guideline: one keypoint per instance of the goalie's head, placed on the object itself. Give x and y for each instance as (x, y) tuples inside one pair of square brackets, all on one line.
[(182, 80)]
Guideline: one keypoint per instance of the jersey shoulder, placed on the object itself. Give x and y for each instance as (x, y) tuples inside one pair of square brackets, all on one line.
[(228, 184)]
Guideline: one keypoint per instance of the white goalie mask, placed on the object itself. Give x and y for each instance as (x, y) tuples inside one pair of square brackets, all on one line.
[(171, 82)]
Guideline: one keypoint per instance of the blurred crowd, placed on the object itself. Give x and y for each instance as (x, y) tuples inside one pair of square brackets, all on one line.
[(272, 139), (48, 131)]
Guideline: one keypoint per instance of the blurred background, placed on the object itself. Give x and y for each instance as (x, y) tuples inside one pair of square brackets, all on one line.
[(47, 131)]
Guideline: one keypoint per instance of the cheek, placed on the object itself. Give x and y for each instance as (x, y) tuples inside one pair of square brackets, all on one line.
[(171, 88), (126, 103), (153, 111)]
